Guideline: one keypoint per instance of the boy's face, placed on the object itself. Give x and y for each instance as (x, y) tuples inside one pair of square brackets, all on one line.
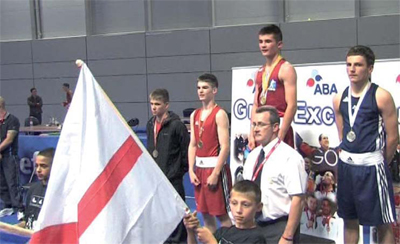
[(158, 107), (244, 208), (312, 204), (357, 69), (263, 129), (43, 167), (268, 45), (205, 91), (326, 208)]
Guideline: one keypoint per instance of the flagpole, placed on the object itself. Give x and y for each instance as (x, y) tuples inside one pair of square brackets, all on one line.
[(16, 230)]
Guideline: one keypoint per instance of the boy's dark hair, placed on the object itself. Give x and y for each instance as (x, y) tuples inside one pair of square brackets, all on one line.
[(160, 95), (273, 113), (247, 186), (48, 153), (66, 85), (310, 196), (32, 89), (209, 78), (320, 136), (364, 51), (272, 29)]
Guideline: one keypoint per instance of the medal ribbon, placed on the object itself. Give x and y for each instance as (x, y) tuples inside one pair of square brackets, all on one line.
[(265, 80), (256, 172), (156, 131), (325, 221), (310, 217), (352, 116)]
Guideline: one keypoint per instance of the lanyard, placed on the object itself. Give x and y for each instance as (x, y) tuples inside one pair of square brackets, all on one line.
[(265, 80), (352, 116), (325, 221), (202, 122), (310, 217), (255, 174)]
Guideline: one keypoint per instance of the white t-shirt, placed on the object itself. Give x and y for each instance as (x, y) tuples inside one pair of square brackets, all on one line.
[(307, 216), (283, 175), (327, 227)]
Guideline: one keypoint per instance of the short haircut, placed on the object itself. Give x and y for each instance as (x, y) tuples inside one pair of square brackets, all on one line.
[(325, 199), (364, 51), (160, 95), (273, 113), (48, 153), (272, 29), (66, 85), (310, 196), (320, 136), (247, 186), (32, 89), (209, 78)]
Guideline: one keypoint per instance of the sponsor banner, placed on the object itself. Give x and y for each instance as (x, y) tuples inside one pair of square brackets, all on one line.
[(316, 86)]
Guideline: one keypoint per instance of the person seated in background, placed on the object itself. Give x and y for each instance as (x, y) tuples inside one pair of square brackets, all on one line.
[(37, 191), (245, 203)]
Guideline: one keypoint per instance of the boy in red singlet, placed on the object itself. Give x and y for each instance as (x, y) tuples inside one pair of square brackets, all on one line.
[(208, 152), (275, 83)]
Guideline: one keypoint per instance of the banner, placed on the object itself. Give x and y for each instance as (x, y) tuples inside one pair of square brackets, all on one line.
[(316, 86)]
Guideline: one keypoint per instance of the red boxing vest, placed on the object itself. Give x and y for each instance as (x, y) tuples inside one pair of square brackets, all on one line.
[(276, 89), (209, 136)]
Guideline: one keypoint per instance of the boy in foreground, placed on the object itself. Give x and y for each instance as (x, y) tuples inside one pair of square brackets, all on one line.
[(36, 193), (245, 202)]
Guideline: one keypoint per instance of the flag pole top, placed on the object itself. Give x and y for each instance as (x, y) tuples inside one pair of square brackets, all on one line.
[(79, 63)]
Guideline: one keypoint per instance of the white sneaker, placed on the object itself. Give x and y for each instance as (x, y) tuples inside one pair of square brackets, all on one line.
[(6, 212)]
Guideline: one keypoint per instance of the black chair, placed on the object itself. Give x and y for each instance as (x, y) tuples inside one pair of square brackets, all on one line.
[(28, 120), (187, 112), (27, 123), (186, 115)]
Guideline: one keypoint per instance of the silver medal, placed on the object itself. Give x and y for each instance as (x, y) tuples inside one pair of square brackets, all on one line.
[(351, 136), (155, 153)]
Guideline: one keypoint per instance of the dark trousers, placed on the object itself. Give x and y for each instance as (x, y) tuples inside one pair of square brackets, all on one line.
[(179, 235), (273, 231), (38, 116), (9, 181)]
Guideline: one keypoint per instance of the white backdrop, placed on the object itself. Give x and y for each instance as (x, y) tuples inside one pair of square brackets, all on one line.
[(316, 86)]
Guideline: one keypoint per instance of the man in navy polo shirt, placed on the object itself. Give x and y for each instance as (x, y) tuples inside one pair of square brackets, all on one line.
[(9, 170)]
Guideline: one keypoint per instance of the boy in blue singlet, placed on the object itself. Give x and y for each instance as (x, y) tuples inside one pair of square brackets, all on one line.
[(366, 120)]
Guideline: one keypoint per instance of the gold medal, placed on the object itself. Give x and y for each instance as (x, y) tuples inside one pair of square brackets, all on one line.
[(266, 76), (351, 136), (155, 153), (263, 99), (200, 144)]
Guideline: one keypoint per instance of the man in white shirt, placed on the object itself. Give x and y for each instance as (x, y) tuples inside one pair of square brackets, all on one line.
[(280, 172)]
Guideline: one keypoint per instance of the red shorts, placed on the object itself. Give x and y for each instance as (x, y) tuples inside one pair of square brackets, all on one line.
[(215, 201)]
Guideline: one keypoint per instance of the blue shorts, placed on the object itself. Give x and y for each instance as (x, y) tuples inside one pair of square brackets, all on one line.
[(365, 193)]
